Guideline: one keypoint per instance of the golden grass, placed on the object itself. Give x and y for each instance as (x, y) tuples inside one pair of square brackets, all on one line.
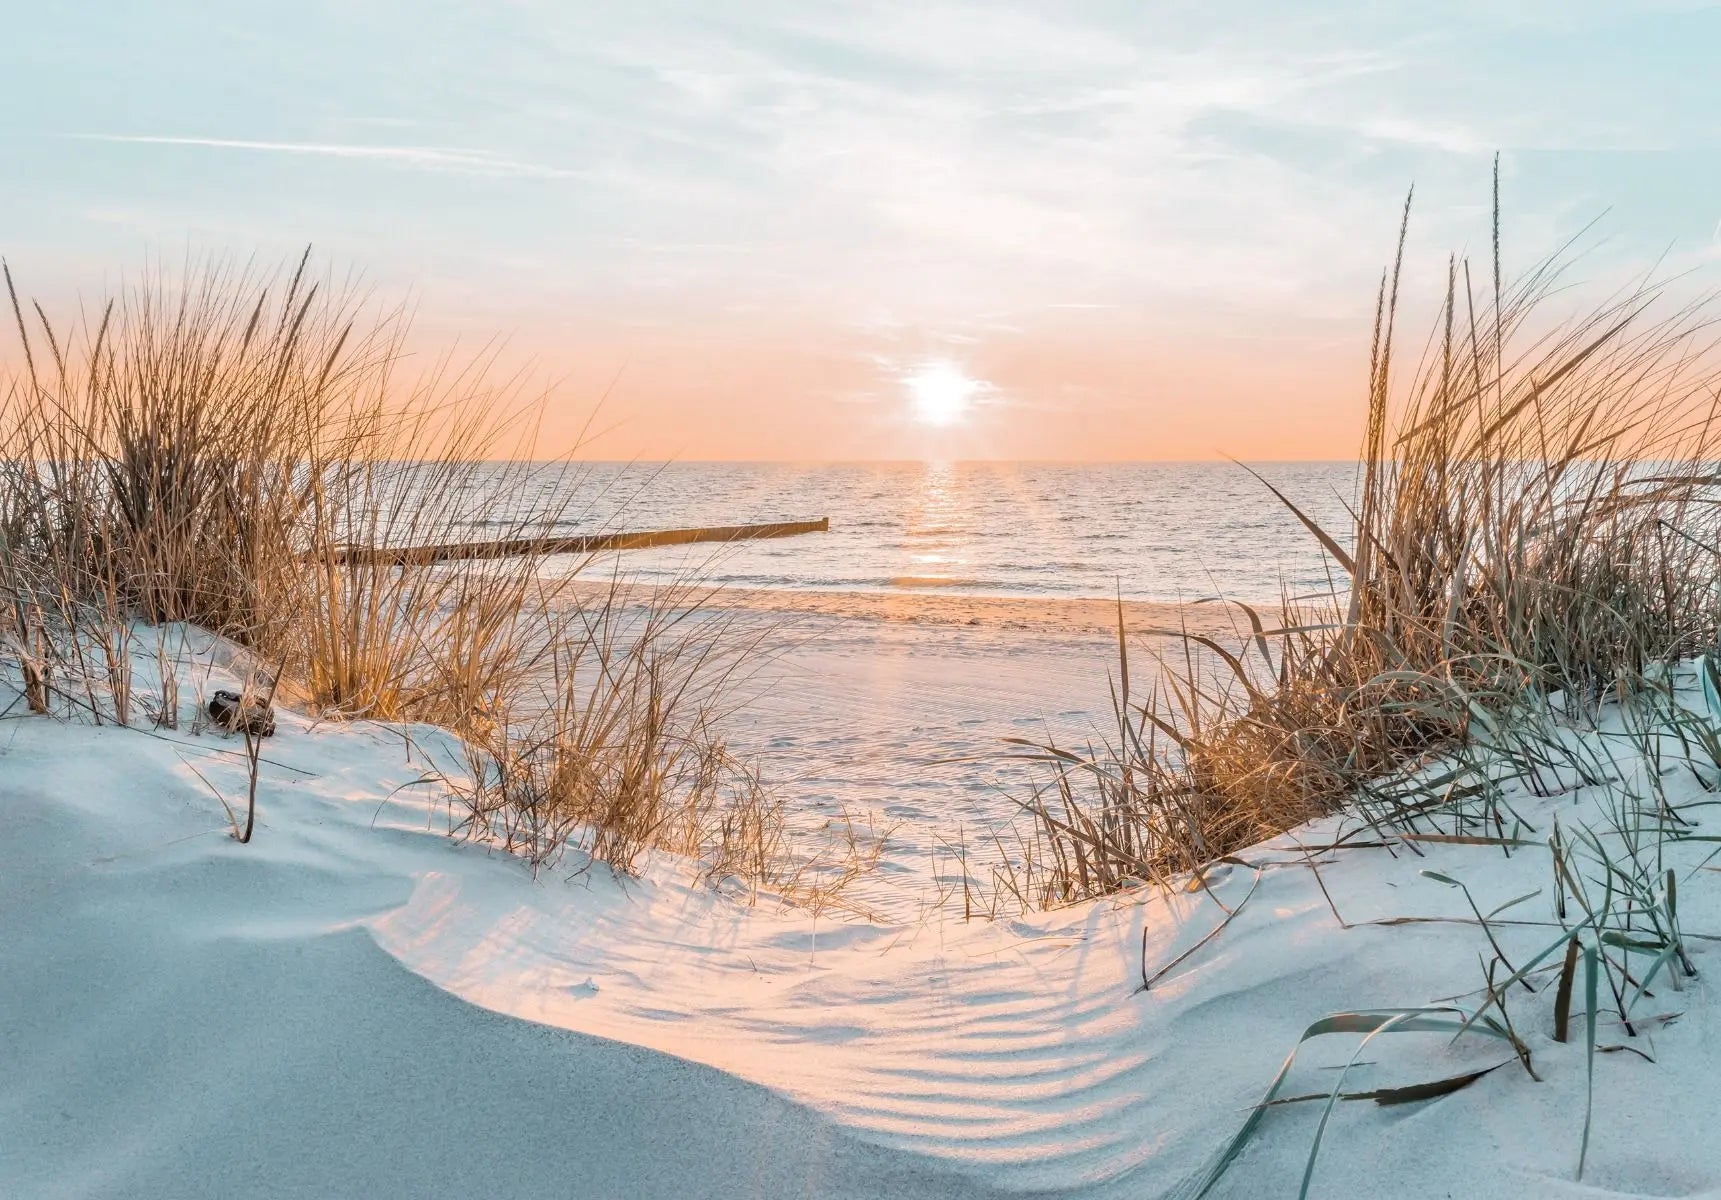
[(1535, 518), (205, 448)]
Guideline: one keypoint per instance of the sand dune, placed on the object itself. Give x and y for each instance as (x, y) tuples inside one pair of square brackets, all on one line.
[(352, 1005)]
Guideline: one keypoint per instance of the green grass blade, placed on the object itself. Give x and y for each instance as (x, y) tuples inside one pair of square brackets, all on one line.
[(1590, 992), (1441, 1019)]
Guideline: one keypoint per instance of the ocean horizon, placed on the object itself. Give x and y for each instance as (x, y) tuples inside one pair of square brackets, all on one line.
[(1162, 532)]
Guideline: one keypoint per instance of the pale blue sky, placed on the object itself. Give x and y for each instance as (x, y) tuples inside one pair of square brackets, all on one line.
[(884, 182)]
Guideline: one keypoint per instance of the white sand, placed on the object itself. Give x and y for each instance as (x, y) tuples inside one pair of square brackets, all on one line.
[(354, 1006), (890, 710)]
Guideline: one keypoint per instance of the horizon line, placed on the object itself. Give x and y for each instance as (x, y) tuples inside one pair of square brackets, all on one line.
[(943, 462)]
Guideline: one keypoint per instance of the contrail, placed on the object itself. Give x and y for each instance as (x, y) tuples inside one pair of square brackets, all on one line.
[(433, 158)]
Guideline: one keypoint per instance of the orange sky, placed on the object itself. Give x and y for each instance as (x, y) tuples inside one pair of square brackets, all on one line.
[(1084, 231), (1088, 388)]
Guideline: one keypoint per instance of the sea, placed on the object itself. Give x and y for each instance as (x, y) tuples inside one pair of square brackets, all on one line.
[(1166, 532)]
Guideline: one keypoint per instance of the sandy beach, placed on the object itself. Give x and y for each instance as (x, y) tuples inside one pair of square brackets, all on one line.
[(891, 710), (275, 1014), (859, 602)]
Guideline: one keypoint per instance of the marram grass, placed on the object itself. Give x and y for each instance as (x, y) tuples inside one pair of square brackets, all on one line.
[(202, 450), (1536, 515)]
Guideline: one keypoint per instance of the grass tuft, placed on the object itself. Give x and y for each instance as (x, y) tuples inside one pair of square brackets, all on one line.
[(204, 450), (1534, 521)]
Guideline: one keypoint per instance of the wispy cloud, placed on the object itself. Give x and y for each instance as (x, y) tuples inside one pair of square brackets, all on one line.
[(426, 158), (942, 159), (990, 155)]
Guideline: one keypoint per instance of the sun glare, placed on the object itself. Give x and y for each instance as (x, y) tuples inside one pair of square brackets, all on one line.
[(941, 393)]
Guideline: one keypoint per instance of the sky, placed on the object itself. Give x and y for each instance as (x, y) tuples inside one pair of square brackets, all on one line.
[(1095, 229)]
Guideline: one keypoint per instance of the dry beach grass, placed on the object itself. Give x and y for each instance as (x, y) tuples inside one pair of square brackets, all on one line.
[(203, 450), (1535, 518), (1534, 554)]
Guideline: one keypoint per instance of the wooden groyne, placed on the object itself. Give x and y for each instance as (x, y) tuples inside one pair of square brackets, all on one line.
[(400, 556)]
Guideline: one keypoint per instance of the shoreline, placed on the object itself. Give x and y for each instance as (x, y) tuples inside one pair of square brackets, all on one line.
[(907, 714), (1061, 615)]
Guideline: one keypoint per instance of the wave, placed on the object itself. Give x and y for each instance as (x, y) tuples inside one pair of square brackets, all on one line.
[(938, 581)]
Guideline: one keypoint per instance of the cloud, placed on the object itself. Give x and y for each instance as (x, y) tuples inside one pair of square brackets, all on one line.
[(952, 154), (427, 158), (947, 159)]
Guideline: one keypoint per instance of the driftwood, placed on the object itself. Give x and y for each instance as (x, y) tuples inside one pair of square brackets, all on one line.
[(401, 556)]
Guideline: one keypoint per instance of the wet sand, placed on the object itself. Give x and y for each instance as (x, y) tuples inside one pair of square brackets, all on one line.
[(1034, 614)]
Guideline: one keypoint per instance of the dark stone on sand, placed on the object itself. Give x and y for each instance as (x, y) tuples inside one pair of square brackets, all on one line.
[(236, 714)]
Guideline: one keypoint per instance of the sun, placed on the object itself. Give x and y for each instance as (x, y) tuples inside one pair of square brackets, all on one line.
[(941, 393)]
